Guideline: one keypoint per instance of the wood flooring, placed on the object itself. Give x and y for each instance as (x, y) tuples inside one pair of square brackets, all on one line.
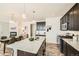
[(53, 50)]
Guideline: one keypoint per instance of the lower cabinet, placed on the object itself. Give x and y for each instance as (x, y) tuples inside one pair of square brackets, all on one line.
[(65, 48), (42, 50), (24, 53), (71, 51), (68, 50)]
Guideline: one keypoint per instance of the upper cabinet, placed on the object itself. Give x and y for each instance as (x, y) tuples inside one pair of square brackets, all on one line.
[(70, 21)]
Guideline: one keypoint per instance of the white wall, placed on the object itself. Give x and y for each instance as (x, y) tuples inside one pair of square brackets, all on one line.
[(13, 27), (4, 29), (6, 23), (52, 34), (4, 26)]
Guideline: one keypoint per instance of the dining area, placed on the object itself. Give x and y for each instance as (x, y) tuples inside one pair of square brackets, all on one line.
[(4, 51), (4, 41)]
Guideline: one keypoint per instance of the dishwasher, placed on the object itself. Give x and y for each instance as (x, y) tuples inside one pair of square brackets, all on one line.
[(60, 43)]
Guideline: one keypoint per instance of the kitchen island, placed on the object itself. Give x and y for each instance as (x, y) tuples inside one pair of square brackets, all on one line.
[(29, 48)]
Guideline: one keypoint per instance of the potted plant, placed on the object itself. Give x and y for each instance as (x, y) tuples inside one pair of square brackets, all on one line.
[(31, 39)]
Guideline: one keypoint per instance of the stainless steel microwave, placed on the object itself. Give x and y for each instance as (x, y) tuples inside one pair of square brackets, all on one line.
[(64, 26)]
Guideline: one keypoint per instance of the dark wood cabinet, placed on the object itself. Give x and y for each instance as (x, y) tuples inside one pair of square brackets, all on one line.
[(63, 20), (76, 17), (68, 50), (24, 53), (42, 50), (71, 51), (71, 18), (65, 48)]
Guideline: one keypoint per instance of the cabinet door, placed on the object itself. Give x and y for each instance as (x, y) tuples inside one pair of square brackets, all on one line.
[(20, 53), (71, 19), (24, 53), (65, 48), (67, 20), (61, 24), (77, 14), (62, 21), (75, 18), (42, 50), (71, 51)]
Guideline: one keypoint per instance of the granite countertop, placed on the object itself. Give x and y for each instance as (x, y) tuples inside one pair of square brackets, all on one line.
[(74, 43), (28, 46)]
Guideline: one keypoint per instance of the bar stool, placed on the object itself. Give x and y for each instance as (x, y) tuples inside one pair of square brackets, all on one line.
[(1, 45), (8, 52)]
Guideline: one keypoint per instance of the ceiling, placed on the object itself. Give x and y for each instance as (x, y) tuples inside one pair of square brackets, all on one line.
[(42, 10)]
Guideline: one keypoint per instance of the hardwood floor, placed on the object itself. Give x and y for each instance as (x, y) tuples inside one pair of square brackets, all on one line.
[(52, 50)]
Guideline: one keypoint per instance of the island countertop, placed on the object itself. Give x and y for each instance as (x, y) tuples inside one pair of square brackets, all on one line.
[(74, 43), (27, 45)]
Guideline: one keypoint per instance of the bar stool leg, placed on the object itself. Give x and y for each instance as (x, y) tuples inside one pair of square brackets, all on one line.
[(4, 48)]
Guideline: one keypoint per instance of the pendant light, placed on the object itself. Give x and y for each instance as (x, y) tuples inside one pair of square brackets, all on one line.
[(24, 13), (33, 20)]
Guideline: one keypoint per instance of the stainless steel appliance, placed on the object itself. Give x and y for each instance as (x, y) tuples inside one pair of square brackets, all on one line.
[(60, 43), (64, 26)]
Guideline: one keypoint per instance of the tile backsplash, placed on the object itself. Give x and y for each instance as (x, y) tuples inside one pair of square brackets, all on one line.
[(71, 32)]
